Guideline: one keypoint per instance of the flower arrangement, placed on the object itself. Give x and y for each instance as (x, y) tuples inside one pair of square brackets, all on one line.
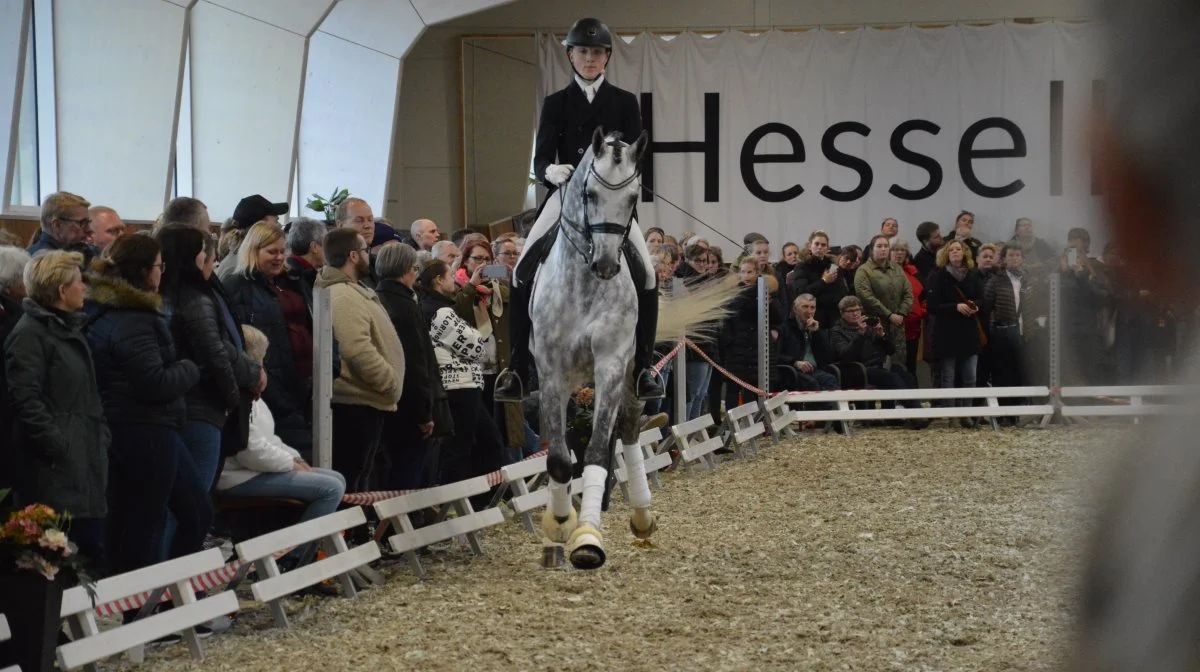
[(35, 539), (580, 411), (328, 206)]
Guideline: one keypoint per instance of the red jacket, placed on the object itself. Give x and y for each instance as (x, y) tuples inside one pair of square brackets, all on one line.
[(912, 321)]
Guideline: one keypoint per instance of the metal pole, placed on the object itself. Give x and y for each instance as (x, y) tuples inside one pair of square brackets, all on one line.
[(764, 335), (680, 377), (1055, 325), (322, 415)]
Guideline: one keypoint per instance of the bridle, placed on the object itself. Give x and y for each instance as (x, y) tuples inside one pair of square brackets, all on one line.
[(587, 227)]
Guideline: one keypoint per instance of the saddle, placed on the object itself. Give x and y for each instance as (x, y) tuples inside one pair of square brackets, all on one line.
[(541, 249)]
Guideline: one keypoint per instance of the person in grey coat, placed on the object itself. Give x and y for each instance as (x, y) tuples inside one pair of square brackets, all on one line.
[(61, 439)]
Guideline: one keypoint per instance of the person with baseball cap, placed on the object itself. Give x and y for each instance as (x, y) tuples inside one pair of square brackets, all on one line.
[(254, 209)]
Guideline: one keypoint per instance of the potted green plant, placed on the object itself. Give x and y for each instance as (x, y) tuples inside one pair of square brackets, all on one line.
[(328, 206), (37, 561)]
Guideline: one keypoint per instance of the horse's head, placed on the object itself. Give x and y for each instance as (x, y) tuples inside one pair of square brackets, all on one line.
[(602, 194)]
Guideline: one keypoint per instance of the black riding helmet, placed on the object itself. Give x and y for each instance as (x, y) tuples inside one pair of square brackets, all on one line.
[(589, 33)]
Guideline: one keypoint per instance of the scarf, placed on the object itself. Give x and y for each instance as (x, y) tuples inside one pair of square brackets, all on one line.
[(958, 272)]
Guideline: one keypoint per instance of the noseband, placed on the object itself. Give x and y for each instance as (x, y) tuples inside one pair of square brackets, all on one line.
[(587, 227)]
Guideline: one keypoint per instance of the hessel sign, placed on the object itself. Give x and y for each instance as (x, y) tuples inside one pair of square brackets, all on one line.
[(789, 132), (751, 156)]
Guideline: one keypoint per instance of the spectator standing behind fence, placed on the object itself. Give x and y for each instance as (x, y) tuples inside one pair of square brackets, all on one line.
[(915, 317), (955, 297), (203, 335), (373, 363), (1085, 294), (823, 276), (476, 447), (143, 384), (1036, 253), (886, 294), (12, 293), (268, 467), (964, 224), (306, 253), (59, 436), (740, 335), (265, 296), (1006, 303), (407, 434)]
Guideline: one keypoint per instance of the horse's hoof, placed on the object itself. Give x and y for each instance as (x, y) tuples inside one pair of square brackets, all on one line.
[(559, 531), (587, 548), (643, 523)]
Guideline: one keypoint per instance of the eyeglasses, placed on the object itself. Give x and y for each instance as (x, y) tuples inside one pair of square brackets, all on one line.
[(480, 260), (506, 254), (161, 267), (85, 222), (852, 310)]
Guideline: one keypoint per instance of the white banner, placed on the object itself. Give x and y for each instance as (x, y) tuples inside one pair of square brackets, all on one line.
[(783, 133)]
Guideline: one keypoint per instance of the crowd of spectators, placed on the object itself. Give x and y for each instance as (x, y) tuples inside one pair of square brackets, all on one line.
[(152, 377)]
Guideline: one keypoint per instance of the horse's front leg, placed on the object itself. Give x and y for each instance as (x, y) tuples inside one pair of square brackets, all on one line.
[(559, 519), (587, 543)]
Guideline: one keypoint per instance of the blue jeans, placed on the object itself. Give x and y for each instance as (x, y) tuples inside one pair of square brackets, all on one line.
[(203, 443), (321, 488), (533, 443), (698, 376), (964, 367)]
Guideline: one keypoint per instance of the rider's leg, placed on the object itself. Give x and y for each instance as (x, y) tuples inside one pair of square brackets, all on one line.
[(510, 382), (646, 383)]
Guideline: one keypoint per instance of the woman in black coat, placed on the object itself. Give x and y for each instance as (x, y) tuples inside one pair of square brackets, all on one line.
[(814, 275), (143, 385), (204, 332), (408, 431), (955, 296), (265, 295), (59, 438)]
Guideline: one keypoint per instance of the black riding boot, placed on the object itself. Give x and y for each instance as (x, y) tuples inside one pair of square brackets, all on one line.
[(647, 384), (510, 386)]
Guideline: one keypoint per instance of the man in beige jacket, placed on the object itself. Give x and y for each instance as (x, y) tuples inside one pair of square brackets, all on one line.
[(372, 373)]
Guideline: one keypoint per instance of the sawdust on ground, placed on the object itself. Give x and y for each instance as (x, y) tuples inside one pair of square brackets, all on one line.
[(893, 549)]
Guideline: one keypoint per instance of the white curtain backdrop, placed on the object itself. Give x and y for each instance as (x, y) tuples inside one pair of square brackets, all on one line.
[(842, 96)]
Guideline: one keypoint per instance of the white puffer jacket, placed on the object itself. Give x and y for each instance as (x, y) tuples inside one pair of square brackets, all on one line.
[(264, 453)]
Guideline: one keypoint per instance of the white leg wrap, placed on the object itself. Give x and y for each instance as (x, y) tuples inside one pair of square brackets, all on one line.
[(635, 469), (560, 498), (593, 491)]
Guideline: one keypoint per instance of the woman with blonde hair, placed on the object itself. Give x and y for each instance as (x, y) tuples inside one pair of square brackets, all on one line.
[(60, 437), (266, 295), (955, 297)]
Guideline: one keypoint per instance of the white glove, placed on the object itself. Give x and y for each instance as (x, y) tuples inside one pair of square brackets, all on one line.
[(558, 174)]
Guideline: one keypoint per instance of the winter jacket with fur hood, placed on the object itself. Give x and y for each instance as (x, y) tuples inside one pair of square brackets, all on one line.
[(141, 380)]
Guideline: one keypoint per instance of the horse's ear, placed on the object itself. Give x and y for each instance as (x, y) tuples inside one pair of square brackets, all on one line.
[(597, 141), (639, 147)]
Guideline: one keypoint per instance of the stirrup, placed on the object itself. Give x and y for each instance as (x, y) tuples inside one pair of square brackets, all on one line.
[(650, 395), (500, 393)]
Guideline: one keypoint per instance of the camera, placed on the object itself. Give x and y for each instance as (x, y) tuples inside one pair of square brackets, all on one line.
[(872, 322)]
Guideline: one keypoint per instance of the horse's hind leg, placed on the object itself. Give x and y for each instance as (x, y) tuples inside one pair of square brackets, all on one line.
[(642, 521)]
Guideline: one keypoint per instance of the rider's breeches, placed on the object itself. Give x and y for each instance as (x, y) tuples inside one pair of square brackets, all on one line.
[(549, 217)]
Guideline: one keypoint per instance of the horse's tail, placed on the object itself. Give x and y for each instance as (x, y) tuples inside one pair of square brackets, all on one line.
[(697, 313)]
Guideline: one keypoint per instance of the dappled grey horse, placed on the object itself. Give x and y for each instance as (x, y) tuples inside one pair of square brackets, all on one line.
[(583, 311)]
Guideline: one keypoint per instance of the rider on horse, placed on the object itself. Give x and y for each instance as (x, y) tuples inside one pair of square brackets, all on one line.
[(569, 117)]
